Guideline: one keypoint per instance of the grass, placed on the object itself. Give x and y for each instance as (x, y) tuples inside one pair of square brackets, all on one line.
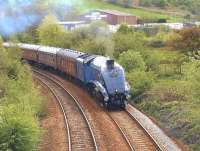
[(139, 12)]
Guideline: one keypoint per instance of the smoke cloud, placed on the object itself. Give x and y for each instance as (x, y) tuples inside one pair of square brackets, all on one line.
[(17, 15)]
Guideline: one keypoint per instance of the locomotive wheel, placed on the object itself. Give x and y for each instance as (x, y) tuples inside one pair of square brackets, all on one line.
[(89, 89)]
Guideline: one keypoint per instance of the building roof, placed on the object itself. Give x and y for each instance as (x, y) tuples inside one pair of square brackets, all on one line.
[(114, 12), (71, 22)]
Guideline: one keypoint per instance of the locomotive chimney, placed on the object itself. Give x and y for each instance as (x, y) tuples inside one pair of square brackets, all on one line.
[(110, 64)]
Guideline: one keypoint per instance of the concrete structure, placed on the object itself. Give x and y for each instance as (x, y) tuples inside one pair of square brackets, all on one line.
[(71, 25), (112, 17), (176, 26)]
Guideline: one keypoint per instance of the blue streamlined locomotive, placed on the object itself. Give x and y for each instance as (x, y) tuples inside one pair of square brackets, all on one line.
[(103, 77)]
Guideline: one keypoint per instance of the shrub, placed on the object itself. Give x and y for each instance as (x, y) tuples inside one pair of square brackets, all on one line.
[(132, 60), (140, 81), (49, 32), (91, 46), (19, 104), (18, 132), (124, 29), (124, 42), (187, 40), (152, 59)]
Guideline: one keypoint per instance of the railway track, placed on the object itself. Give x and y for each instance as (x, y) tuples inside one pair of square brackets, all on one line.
[(61, 108), (163, 142), (80, 135), (106, 117), (137, 136)]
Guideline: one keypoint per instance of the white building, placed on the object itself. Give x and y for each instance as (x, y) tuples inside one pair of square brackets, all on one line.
[(71, 25)]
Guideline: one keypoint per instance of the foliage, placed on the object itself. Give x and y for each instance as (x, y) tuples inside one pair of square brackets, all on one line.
[(49, 32), (176, 98), (186, 40), (18, 131), (124, 29), (19, 103), (126, 41), (164, 83), (29, 36), (93, 39), (124, 3), (190, 5), (191, 72), (139, 12), (132, 60), (190, 39), (92, 46), (158, 3), (140, 81)]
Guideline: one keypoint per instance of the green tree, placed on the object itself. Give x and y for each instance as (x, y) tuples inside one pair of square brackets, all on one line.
[(132, 60), (93, 39), (18, 132), (124, 29), (124, 42), (50, 33), (140, 81), (20, 103)]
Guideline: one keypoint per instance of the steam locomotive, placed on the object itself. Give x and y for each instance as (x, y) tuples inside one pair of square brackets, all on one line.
[(102, 76)]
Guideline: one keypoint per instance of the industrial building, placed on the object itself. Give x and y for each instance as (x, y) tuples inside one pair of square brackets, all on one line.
[(111, 17)]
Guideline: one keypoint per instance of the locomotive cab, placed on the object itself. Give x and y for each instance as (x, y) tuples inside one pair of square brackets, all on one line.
[(115, 83), (111, 82)]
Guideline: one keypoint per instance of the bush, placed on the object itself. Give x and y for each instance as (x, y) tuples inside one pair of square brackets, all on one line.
[(124, 42), (18, 131), (92, 46), (50, 33), (187, 40), (140, 81), (152, 59), (132, 60), (124, 29), (20, 104)]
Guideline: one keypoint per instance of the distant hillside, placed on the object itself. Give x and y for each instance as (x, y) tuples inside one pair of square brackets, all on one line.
[(191, 5), (186, 7), (142, 13)]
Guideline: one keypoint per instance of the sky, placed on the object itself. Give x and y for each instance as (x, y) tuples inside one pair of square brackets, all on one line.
[(17, 15)]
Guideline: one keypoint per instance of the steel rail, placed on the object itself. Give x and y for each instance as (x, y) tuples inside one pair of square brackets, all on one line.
[(146, 131), (77, 103), (123, 133), (63, 111)]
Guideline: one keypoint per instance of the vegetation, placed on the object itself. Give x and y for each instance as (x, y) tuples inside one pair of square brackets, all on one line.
[(91, 39), (162, 67), (188, 5), (191, 5), (19, 104), (143, 14), (187, 40)]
